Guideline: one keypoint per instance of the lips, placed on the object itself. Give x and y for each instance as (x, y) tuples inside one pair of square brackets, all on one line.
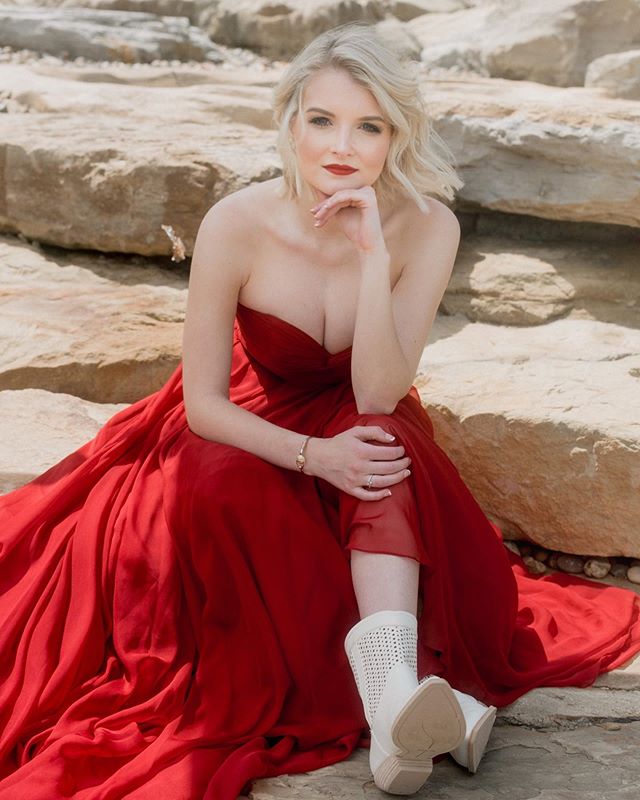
[(338, 170)]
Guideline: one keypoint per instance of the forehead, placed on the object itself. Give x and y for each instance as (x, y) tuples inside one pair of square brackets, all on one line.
[(331, 88)]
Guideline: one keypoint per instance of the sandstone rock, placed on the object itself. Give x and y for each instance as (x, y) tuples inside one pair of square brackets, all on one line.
[(513, 546), (524, 148), (597, 567), (112, 35), (39, 428), (118, 197), (106, 330), (633, 574), (533, 566), (551, 41), (618, 74), (499, 280), (569, 563), (280, 30), (542, 424)]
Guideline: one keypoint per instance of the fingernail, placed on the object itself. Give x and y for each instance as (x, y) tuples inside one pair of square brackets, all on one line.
[(388, 494), (389, 436)]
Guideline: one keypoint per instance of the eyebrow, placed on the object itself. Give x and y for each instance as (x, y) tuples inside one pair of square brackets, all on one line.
[(329, 114)]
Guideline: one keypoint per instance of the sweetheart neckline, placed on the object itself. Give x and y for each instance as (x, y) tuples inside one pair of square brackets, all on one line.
[(296, 328)]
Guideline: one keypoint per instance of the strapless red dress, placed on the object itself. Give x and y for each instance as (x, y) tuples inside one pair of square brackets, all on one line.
[(172, 609)]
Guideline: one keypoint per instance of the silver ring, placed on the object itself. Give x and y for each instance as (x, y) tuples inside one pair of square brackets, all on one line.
[(370, 481)]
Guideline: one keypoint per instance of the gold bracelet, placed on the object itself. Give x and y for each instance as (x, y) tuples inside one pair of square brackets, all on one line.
[(300, 456)]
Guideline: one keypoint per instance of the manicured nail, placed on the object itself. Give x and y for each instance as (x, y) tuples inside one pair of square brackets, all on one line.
[(389, 436)]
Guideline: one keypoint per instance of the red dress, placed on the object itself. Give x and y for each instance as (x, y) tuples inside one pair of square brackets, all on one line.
[(173, 610)]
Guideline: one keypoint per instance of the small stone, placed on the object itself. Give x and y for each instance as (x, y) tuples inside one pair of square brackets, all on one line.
[(569, 563), (540, 554), (552, 561), (633, 574), (533, 566), (525, 549), (619, 570), (511, 546), (611, 726), (597, 567)]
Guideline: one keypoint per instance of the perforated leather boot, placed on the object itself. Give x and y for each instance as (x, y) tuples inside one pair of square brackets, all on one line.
[(410, 722), (479, 719)]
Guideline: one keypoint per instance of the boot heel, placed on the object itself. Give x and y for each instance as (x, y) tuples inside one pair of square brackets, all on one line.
[(398, 775)]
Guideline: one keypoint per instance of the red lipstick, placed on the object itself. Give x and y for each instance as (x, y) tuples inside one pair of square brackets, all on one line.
[(340, 169)]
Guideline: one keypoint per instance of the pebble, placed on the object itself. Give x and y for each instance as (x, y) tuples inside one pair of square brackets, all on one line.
[(633, 574), (525, 549), (569, 563), (597, 567), (619, 570), (533, 566), (552, 561), (512, 546), (540, 554)]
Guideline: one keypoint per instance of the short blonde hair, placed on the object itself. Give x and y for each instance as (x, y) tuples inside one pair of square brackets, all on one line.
[(413, 167)]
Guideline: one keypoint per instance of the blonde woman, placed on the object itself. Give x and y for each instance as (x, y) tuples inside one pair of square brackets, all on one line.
[(270, 561)]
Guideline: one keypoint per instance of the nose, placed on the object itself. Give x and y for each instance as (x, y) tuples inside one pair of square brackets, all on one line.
[(341, 145)]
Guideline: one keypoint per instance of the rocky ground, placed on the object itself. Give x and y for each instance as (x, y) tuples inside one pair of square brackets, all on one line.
[(113, 147)]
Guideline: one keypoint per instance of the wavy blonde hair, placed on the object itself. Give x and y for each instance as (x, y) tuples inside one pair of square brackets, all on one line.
[(413, 166)]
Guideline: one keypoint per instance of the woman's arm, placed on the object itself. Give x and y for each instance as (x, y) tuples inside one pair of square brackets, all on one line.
[(218, 271)]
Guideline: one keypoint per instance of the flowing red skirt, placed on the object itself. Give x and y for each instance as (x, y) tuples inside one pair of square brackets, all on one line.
[(173, 609)]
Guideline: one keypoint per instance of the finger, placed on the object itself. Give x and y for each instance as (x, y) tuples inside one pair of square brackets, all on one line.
[(383, 452), (372, 432), (387, 467), (366, 494)]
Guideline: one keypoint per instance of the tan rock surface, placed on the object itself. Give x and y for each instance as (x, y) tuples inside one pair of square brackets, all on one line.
[(39, 428), (104, 34), (508, 282), (542, 424), (618, 74), (550, 41), (106, 330)]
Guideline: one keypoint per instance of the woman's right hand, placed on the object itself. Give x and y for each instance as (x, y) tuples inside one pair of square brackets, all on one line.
[(347, 459)]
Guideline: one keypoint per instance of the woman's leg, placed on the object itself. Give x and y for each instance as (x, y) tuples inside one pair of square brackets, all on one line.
[(384, 581)]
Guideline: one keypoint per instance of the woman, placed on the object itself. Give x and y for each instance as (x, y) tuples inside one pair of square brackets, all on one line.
[(224, 583)]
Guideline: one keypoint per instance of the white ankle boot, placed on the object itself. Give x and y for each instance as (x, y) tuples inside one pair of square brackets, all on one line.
[(410, 722), (479, 719)]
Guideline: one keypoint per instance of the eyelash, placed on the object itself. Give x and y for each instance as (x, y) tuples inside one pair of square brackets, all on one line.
[(314, 120)]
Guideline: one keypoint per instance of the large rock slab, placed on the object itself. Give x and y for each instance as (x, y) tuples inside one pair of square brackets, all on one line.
[(509, 282), (590, 763), (129, 36), (542, 424), (104, 329), (39, 428), (550, 41), (280, 30), (618, 74)]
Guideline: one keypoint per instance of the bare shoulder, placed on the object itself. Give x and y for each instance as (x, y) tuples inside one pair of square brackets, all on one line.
[(427, 236), (234, 224)]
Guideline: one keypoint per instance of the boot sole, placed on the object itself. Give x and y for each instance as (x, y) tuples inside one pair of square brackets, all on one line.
[(431, 722), (478, 739)]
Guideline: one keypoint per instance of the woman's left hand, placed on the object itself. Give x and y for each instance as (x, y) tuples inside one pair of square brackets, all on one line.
[(356, 213)]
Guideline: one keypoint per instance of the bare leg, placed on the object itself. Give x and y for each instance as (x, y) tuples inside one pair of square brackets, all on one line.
[(383, 581)]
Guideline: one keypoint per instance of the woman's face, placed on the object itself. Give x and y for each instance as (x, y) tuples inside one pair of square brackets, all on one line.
[(333, 129)]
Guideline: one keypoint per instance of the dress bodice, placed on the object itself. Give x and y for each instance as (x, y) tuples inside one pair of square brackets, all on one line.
[(289, 352)]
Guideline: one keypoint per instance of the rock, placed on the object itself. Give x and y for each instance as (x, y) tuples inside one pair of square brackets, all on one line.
[(619, 570), (523, 148), (105, 201), (110, 35), (280, 30), (569, 563), (597, 567), (510, 282), (617, 73), (541, 555), (525, 549), (510, 545), (106, 330), (550, 42), (533, 566), (633, 574), (552, 561), (39, 428), (558, 402)]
